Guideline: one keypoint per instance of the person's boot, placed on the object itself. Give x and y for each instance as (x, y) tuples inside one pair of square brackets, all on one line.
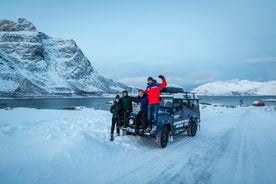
[(153, 129), (118, 131), (148, 129), (111, 137)]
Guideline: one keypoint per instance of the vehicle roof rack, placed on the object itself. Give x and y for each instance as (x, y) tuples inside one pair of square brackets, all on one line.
[(187, 93), (172, 90), (178, 93)]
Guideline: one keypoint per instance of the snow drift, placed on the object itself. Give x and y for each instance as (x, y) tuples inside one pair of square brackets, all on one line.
[(235, 145)]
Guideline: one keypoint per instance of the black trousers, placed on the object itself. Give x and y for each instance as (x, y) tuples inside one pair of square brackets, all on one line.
[(141, 117), (126, 115), (115, 121)]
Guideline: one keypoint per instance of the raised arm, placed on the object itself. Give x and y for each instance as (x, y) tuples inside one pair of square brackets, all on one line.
[(164, 82)]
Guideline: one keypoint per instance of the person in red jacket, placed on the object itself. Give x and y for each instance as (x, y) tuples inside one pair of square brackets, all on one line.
[(154, 102)]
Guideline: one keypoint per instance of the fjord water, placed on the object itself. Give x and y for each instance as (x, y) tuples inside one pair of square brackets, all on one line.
[(56, 103), (103, 103), (237, 100)]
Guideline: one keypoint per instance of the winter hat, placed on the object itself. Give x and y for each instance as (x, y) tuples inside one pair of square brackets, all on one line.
[(125, 91), (117, 96), (150, 78)]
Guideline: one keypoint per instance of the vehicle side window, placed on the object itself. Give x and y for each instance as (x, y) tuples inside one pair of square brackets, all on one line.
[(184, 104), (196, 104), (193, 104), (176, 105), (166, 102)]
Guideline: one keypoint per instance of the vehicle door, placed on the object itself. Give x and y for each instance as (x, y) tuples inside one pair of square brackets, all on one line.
[(186, 112), (178, 113), (194, 108)]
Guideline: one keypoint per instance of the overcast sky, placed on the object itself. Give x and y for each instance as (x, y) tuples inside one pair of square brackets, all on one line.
[(191, 42)]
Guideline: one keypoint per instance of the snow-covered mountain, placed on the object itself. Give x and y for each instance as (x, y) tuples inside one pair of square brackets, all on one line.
[(236, 87), (34, 64)]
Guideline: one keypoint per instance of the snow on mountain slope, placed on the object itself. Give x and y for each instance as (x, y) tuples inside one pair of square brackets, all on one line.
[(59, 146), (32, 63), (237, 87)]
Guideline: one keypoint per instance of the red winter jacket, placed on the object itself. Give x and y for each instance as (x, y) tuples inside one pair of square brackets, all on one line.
[(154, 93)]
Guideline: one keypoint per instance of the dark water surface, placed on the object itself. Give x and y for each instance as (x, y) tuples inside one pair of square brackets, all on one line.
[(57, 103), (103, 103)]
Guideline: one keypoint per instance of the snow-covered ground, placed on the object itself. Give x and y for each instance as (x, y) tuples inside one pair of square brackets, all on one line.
[(235, 145)]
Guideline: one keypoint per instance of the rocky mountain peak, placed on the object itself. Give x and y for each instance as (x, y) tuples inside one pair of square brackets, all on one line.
[(35, 64), (21, 25)]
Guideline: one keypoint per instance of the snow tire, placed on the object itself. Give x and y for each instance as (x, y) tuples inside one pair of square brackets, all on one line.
[(192, 130), (162, 137)]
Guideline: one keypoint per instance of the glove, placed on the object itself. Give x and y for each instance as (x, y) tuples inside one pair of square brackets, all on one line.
[(161, 76)]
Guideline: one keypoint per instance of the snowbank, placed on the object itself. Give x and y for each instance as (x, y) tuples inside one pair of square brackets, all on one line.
[(235, 145)]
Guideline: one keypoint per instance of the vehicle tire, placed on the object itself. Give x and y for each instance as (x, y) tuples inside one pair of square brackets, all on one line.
[(162, 137), (192, 130)]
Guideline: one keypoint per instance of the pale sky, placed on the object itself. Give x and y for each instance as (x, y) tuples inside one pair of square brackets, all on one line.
[(191, 42)]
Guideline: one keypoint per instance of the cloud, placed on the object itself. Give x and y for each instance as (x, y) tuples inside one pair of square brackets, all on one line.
[(201, 77), (267, 65), (265, 60), (139, 82), (192, 80)]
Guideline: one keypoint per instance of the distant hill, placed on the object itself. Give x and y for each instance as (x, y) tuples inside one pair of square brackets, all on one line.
[(236, 87), (35, 64)]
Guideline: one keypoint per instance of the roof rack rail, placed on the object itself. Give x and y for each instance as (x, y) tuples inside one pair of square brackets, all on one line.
[(193, 94), (172, 90)]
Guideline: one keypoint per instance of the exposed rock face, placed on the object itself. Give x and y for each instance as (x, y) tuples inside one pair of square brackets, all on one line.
[(21, 25), (32, 63)]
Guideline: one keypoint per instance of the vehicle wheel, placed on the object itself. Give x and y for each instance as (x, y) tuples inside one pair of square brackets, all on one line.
[(162, 137), (192, 130)]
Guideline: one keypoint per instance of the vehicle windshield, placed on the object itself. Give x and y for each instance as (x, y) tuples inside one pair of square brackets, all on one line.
[(166, 102)]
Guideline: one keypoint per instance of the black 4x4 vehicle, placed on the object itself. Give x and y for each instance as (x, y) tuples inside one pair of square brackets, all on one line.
[(179, 112)]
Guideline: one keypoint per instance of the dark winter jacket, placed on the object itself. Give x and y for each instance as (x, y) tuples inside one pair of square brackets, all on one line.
[(144, 102), (153, 84), (154, 93), (127, 102), (116, 109)]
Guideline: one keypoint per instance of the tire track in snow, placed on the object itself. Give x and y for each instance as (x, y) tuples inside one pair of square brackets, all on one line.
[(249, 157), (186, 160)]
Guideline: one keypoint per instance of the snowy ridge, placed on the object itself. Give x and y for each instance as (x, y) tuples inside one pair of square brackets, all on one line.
[(236, 87), (34, 64)]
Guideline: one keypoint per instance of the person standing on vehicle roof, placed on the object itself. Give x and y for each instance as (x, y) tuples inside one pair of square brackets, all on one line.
[(127, 106), (154, 101), (115, 109), (143, 113)]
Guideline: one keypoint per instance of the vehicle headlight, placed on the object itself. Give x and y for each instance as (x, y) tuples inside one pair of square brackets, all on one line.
[(131, 121)]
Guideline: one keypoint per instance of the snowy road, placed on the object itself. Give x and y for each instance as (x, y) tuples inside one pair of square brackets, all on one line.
[(235, 145)]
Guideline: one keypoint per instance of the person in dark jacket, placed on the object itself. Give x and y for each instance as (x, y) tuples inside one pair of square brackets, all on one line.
[(141, 116), (127, 106), (115, 109), (154, 103)]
